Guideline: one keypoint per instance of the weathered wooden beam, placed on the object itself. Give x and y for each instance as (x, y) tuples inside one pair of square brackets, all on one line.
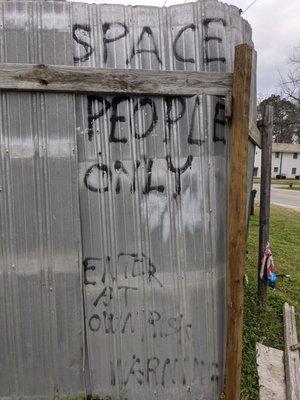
[(292, 361), (265, 194), (228, 105), (238, 153), (254, 133), (50, 78), (295, 347)]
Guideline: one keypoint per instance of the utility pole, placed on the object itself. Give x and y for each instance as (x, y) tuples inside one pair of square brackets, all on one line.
[(266, 128)]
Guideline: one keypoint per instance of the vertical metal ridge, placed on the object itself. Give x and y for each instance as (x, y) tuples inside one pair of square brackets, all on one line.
[(43, 248)]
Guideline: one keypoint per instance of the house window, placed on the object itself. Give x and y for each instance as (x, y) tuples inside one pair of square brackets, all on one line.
[(255, 171), (275, 169), (293, 171), (276, 155), (295, 156)]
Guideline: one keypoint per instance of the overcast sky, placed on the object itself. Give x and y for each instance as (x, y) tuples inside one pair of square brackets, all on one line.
[(276, 30)]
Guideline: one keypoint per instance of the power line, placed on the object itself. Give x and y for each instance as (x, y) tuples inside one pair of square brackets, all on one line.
[(249, 6)]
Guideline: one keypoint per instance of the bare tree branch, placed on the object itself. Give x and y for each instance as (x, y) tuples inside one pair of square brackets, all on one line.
[(291, 83)]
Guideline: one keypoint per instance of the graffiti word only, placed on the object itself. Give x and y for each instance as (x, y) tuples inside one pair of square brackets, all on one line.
[(101, 178)]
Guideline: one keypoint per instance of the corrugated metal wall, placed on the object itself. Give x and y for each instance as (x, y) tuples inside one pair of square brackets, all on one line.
[(41, 340), (126, 195)]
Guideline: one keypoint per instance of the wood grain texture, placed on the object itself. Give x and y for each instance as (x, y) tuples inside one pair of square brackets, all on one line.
[(49, 78), (265, 194), (237, 217), (292, 362), (253, 92), (254, 133), (228, 105)]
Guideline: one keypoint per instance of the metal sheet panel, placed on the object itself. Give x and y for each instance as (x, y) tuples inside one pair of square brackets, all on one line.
[(155, 237), (151, 264), (41, 319)]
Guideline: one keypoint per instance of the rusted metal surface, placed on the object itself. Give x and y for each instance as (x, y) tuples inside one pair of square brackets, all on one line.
[(151, 173)]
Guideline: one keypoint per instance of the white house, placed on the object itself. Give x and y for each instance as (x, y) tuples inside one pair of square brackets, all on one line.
[(285, 160)]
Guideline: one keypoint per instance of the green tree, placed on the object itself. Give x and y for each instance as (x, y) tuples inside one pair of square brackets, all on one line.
[(286, 119)]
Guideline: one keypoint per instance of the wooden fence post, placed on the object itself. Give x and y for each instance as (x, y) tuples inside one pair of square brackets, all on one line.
[(265, 189), (237, 217), (291, 357)]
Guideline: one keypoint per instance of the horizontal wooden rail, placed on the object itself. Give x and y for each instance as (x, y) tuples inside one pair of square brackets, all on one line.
[(50, 78)]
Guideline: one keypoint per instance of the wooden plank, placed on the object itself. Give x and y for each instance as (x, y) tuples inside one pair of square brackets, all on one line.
[(253, 93), (50, 78), (265, 194), (295, 347), (254, 133), (270, 368), (237, 217), (228, 105), (292, 362)]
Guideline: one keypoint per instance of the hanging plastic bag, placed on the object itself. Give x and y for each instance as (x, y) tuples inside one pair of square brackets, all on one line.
[(267, 270)]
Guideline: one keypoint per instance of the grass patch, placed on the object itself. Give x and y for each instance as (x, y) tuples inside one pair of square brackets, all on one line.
[(81, 397), (285, 182), (288, 188), (265, 325)]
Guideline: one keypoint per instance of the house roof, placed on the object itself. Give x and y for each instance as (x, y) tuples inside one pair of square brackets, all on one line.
[(285, 148)]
